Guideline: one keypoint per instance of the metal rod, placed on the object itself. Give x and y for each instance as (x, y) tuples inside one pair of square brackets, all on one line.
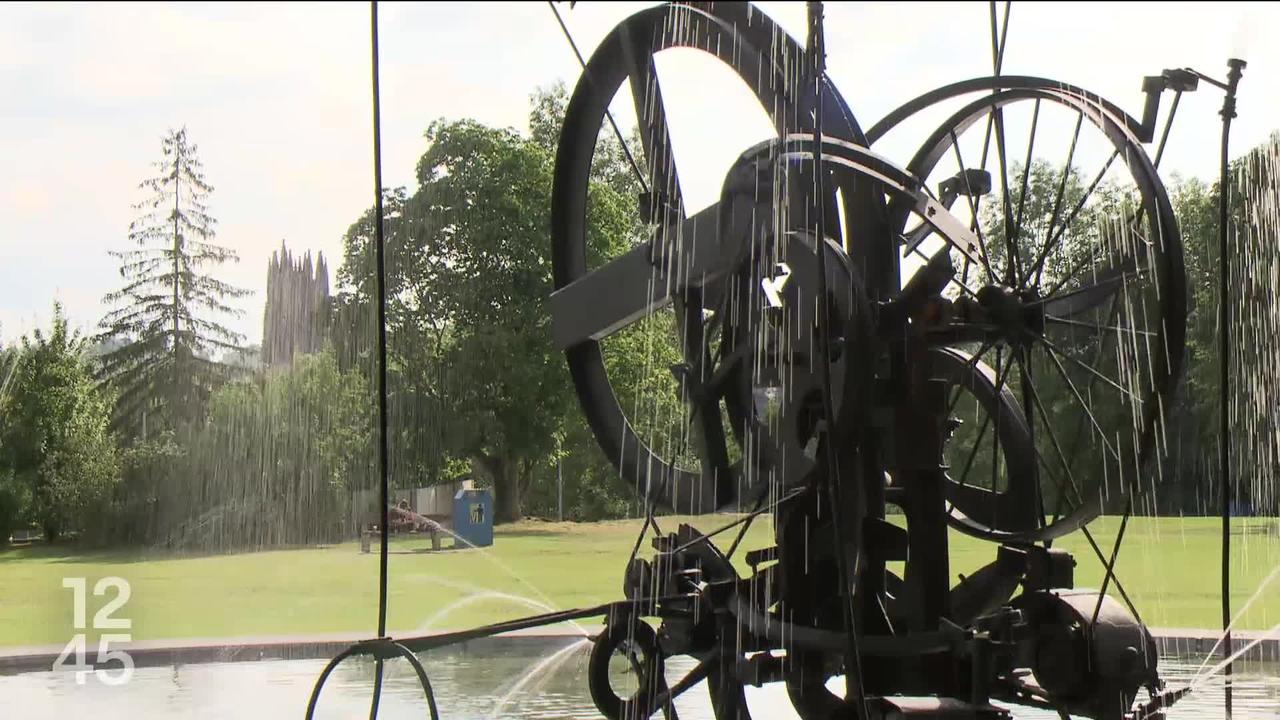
[(380, 260), (379, 242), (1224, 360), (853, 660)]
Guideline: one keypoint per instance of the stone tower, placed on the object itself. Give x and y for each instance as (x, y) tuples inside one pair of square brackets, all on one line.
[(295, 319)]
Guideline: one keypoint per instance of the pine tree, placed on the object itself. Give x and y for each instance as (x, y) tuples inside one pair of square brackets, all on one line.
[(168, 313)]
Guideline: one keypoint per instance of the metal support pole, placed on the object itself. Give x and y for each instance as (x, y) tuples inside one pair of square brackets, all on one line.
[(854, 690), (1224, 358)]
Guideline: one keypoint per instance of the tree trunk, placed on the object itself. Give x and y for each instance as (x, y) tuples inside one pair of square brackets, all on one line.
[(506, 487)]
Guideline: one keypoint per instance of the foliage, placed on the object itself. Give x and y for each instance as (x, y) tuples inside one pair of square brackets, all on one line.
[(275, 463), (57, 458), (168, 311), (472, 371)]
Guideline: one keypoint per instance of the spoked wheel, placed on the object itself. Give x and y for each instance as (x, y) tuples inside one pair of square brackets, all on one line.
[(641, 316), (1075, 304)]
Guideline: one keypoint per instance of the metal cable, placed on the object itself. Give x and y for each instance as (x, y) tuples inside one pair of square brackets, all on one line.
[(381, 647)]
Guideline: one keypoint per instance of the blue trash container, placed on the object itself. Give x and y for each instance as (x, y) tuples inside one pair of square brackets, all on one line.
[(473, 518)]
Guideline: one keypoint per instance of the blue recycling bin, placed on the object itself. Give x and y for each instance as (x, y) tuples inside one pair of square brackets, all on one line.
[(473, 518)]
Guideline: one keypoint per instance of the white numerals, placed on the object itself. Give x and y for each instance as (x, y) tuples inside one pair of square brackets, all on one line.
[(112, 666)]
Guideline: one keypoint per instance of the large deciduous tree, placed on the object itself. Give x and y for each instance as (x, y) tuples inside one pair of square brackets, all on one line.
[(169, 314), (55, 445), (473, 373)]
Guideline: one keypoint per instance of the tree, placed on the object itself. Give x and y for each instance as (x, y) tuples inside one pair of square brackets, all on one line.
[(168, 312), (56, 445), (13, 499), (472, 372), (276, 463)]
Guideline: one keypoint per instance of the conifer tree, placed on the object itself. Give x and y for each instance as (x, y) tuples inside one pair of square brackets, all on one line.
[(169, 314)]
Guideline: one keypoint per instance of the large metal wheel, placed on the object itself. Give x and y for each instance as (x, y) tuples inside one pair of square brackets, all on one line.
[(1076, 303), (690, 463)]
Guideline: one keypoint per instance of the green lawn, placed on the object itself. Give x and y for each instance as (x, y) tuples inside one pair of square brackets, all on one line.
[(1169, 566)]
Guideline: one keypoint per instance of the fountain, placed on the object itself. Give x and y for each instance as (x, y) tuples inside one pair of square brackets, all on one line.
[(986, 339)]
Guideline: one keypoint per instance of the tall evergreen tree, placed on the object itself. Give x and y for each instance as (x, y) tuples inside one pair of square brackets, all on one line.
[(168, 313)]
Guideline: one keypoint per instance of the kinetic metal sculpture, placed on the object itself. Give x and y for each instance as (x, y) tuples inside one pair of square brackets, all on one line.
[(987, 349)]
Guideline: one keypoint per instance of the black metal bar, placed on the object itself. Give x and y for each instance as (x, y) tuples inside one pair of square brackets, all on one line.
[(853, 659), (973, 208), (1079, 498), (1111, 564), (421, 643), (1224, 361), (380, 260), (636, 284), (1168, 125)]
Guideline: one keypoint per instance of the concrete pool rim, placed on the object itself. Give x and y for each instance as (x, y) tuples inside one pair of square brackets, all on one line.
[(151, 653)]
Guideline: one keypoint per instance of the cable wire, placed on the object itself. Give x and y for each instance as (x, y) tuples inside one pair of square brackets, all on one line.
[(380, 260)]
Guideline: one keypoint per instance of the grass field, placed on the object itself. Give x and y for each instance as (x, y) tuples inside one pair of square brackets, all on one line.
[(1169, 566)]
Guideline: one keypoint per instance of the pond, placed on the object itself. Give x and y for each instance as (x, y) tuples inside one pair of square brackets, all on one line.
[(522, 678)]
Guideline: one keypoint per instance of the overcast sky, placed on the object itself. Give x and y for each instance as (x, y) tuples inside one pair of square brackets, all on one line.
[(277, 98)]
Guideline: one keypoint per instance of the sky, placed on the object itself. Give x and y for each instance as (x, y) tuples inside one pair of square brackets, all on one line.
[(277, 98)]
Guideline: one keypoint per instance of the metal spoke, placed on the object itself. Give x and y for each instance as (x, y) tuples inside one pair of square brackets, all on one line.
[(973, 207), (1168, 125), (1097, 180), (1029, 394), (1115, 553), (1079, 497), (1057, 446), (1084, 406), (692, 678), (1112, 314), (1026, 169), (1088, 368), (1108, 284), (1079, 265), (977, 442), (1110, 328), (1038, 267), (1011, 251)]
